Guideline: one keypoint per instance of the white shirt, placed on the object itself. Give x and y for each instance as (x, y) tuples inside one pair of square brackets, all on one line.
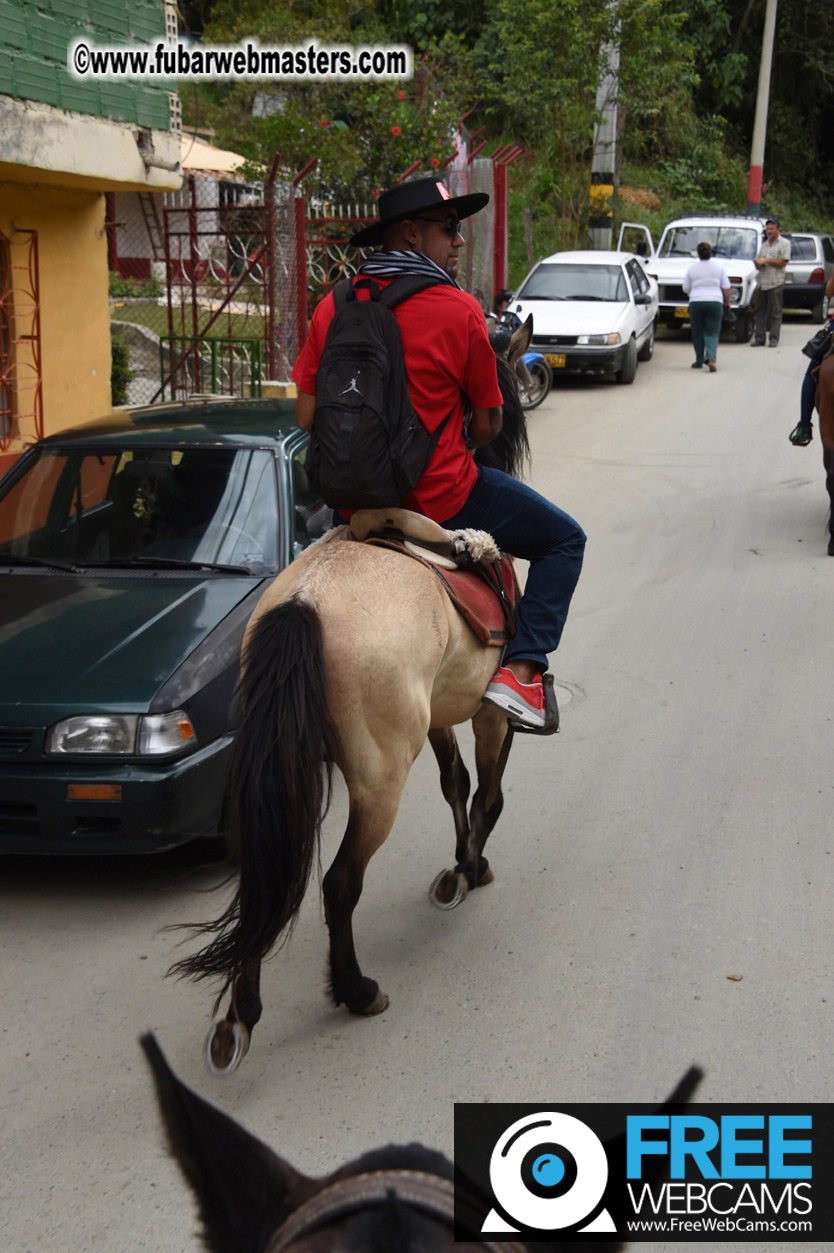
[(706, 280)]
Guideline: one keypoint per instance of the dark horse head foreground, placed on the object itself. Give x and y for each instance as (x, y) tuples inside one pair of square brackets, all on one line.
[(398, 1199), (354, 656)]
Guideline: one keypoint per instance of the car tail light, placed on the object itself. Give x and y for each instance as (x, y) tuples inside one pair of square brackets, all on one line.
[(817, 276)]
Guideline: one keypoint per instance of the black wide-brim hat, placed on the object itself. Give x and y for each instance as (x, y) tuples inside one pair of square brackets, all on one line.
[(409, 199)]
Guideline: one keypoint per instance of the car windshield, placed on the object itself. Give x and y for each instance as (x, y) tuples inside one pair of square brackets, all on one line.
[(733, 242), (570, 281), (213, 506)]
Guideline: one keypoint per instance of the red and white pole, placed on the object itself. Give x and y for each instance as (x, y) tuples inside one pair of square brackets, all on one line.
[(754, 184)]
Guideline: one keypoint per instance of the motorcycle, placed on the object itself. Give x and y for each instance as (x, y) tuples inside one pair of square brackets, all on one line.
[(534, 376)]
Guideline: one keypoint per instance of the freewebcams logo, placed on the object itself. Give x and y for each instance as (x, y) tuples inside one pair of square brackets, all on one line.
[(548, 1171), (639, 1173)]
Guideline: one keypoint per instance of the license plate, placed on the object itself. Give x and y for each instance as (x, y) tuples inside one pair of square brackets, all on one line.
[(555, 359), (682, 311)]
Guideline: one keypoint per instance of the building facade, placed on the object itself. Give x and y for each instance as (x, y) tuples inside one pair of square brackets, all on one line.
[(65, 144)]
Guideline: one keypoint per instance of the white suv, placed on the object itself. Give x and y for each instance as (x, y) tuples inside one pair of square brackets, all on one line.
[(734, 241)]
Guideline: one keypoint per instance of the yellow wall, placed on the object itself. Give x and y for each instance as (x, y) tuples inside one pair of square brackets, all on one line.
[(74, 310)]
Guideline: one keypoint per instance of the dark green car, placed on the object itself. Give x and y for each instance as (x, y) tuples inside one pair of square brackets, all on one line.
[(132, 553)]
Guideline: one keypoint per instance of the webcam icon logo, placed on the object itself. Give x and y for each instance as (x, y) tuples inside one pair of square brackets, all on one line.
[(548, 1171)]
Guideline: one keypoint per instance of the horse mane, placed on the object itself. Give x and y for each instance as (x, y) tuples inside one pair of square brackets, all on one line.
[(510, 450)]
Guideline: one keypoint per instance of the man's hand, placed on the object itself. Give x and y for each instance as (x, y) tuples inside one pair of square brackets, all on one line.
[(484, 426)]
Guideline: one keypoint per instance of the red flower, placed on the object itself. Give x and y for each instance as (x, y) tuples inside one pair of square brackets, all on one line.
[(395, 130), (401, 95), (375, 195), (323, 122), (435, 161)]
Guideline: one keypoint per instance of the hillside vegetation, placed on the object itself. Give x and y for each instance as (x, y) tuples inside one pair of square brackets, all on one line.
[(526, 71)]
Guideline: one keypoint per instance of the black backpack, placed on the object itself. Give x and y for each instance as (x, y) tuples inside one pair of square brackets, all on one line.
[(368, 448)]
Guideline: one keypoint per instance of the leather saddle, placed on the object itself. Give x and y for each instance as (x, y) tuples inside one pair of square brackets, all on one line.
[(478, 578)]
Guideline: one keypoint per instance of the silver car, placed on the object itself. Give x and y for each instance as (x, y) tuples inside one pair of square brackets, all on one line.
[(807, 272)]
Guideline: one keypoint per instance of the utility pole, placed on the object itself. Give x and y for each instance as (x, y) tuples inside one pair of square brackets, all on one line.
[(605, 146), (754, 185)]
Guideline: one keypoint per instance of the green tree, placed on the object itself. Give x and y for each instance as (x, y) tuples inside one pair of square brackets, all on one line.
[(363, 136), (539, 63)]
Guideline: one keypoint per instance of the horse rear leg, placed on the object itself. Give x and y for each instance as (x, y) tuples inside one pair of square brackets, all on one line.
[(454, 782), (828, 462), (227, 1042), (825, 407), (371, 817), (493, 740)]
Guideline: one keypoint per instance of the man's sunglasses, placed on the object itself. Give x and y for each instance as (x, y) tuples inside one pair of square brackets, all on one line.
[(450, 225)]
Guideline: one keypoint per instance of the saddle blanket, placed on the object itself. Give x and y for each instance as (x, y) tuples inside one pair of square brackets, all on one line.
[(488, 610)]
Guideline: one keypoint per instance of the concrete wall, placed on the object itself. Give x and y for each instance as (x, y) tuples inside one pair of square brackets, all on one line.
[(74, 310)]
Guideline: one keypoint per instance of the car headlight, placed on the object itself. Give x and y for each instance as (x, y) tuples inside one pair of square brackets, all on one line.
[(735, 295), (144, 735), (600, 340)]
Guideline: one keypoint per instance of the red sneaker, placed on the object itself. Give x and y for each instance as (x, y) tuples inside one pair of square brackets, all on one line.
[(524, 702)]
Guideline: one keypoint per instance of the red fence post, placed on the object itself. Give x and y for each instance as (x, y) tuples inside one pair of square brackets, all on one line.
[(499, 240), (300, 209)]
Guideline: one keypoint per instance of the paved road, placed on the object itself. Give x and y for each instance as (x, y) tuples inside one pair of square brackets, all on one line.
[(663, 868)]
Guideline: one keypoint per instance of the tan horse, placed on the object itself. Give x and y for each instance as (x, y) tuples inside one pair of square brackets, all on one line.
[(825, 407), (354, 656)]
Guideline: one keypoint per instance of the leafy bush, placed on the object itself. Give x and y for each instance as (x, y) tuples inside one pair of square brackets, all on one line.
[(120, 371), (149, 287)]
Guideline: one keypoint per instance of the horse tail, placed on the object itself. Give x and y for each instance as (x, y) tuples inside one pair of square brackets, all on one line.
[(278, 790)]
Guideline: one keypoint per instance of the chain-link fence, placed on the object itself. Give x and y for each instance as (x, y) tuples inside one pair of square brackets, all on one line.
[(476, 259), (212, 286), (188, 289)]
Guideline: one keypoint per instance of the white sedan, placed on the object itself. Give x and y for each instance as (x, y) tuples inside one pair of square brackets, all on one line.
[(593, 312)]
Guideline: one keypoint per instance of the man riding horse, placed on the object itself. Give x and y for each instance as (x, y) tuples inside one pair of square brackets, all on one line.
[(450, 369)]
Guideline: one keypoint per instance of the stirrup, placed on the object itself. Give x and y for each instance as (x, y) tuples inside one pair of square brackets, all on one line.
[(551, 712)]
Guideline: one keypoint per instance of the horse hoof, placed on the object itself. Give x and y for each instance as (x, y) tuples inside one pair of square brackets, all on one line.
[(227, 1043), (448, 890), (377, 1006), (487, 877)]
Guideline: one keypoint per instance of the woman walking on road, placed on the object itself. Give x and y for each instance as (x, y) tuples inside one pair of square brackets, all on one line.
[(708, 288)]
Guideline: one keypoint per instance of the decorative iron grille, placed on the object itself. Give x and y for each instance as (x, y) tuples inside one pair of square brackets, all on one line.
[(21, 382)]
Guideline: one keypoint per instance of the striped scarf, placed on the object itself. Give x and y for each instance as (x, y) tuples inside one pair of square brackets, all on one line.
[(388, 264)]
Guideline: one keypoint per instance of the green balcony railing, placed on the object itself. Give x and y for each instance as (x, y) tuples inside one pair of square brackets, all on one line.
[(190, 364)]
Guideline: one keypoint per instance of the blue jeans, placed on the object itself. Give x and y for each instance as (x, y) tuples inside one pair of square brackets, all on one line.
[(525, 524), (705, 317)]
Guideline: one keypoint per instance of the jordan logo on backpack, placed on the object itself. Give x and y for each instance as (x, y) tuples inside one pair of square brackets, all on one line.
[(351, 387)]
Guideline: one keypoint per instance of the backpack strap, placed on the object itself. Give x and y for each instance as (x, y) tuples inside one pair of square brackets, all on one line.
[(343, 292), (405, 285)]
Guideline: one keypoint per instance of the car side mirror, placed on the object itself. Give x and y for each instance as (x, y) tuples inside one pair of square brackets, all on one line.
[(643, 298)]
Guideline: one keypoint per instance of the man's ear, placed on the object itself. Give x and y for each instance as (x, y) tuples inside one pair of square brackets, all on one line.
[(409, 234), (244, 1191)]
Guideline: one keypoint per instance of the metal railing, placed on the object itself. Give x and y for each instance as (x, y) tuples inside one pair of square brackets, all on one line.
[(207, 364)]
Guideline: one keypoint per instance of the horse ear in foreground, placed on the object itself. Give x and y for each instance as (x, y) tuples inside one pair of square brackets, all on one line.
[(354, 655), (399, 1199)]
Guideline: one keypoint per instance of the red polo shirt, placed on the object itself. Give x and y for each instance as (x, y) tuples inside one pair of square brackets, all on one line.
[(447, 351)]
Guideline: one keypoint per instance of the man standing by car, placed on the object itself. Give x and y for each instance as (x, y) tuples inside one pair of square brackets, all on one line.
[(447, 355), (774, 255)]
